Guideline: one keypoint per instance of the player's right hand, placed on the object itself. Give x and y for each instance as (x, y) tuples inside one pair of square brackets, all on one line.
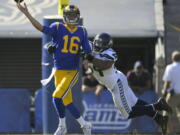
[(22, 8)]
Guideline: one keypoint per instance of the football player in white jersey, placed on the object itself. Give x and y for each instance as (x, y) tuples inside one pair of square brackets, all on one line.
[(101, 62)]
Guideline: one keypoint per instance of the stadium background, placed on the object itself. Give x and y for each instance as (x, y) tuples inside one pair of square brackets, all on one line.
[(144, 30)]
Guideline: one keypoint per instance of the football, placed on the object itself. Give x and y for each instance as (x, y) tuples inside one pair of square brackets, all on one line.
[(18, 1)]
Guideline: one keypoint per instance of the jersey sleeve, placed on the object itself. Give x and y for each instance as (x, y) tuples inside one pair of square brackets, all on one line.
[(52, 29), (86, 44), (108, 55)]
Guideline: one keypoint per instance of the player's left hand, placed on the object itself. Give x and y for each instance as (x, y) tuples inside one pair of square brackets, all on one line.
[(51, 48), (89, 57)]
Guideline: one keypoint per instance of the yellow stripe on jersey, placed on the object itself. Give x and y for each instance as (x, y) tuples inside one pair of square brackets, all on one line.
[(69, 29)]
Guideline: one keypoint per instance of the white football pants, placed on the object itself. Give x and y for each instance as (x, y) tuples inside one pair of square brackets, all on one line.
[(123, 96)]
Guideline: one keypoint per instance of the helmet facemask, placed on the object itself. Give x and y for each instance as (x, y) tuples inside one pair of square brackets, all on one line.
[(97, 45)]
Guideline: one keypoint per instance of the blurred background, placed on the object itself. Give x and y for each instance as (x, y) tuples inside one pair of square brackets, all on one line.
[(143, 30)]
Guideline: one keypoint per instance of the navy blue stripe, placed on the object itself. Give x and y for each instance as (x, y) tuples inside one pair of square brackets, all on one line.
[(122, 96)]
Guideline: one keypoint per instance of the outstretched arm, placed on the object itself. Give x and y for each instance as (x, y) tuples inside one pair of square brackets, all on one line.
[(25, 11), (102, 64), (98, 63)]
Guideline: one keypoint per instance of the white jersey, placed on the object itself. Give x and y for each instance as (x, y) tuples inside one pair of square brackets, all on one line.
[(109, 76), (116, 82)]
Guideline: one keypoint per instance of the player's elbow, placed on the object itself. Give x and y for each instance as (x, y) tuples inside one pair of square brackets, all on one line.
[(40, 28)]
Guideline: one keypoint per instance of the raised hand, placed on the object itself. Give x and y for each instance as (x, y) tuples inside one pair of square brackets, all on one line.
[(18, 1), (22, 8)]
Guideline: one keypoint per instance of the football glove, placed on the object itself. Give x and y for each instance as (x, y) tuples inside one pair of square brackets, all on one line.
[(89, 57), (51, 48), (81, 52)]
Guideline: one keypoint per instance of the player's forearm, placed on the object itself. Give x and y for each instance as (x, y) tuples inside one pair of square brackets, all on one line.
[(101, 64), (34, 22), (98, 90), (24, 10), (86, 88)]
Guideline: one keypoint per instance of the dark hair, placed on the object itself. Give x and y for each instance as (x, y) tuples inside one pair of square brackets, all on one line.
[(176, 56)]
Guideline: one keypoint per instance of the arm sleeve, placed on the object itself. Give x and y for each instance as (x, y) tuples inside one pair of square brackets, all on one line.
[(86, 44), (52, 29)]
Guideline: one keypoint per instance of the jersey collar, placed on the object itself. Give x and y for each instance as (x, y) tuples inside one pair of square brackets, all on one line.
[(69, 29)]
